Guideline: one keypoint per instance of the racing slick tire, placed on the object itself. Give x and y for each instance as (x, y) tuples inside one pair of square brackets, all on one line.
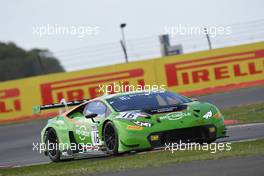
[(52, 144), (110, 138)]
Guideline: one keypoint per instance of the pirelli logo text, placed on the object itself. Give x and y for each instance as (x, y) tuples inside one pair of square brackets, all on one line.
[(88, 87), (227, 67), (9, 100)]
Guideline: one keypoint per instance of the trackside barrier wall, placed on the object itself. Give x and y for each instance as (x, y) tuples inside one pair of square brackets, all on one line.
[(190, 74)]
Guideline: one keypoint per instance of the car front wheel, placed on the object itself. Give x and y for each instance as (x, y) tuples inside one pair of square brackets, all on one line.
[(111, 138)]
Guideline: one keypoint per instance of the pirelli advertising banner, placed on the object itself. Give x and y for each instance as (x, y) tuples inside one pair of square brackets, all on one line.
[(190, 74)]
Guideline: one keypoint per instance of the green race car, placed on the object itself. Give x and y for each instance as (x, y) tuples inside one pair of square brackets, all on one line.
[(131, 121)]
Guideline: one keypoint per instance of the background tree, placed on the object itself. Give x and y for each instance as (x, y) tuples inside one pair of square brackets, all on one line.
[(18, 63)]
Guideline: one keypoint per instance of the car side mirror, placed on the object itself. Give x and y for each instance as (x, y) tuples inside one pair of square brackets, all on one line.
[(91, 116), (194, 99)]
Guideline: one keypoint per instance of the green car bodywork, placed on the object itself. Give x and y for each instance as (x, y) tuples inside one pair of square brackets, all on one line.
[(133, 130)]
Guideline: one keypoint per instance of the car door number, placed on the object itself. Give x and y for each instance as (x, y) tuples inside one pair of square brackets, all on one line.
[(95, 138)]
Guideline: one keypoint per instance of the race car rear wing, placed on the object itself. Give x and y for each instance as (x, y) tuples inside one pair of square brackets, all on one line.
[(63, 103)]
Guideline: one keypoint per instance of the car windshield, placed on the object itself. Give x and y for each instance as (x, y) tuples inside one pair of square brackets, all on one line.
[(143, 101)]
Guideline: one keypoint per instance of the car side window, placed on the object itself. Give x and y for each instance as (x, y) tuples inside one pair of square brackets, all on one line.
[(95, 107)]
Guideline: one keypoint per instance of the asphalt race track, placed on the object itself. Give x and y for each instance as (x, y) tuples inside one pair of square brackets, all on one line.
[(17, 139)]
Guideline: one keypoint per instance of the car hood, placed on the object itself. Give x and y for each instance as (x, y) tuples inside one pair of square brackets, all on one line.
[(190, 113)]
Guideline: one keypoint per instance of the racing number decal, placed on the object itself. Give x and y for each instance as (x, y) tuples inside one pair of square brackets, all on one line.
[(128, 116), (95, 138)]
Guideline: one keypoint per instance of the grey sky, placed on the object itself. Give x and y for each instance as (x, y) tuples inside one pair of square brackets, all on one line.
[(144, 18)]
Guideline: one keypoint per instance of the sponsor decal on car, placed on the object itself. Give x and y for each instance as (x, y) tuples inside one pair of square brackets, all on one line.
[(82, 132), (131, 127), (143, 124), (60, 122), (208, 115), (64, 153), (175, 116)]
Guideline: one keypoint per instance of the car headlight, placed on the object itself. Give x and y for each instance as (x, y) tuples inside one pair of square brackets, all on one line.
[(217, 115), (142, 124)]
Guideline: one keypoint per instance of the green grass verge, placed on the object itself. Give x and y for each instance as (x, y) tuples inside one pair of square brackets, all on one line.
[(245, 114), (150, 159)]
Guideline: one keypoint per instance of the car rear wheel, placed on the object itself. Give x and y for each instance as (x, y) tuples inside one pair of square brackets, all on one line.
[(52, 144), (111, 138)]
